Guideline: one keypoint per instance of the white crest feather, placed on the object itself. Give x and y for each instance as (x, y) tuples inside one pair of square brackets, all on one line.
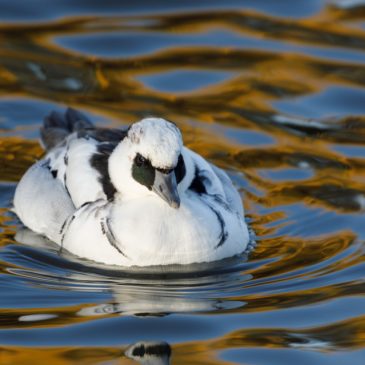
[(159, 140)]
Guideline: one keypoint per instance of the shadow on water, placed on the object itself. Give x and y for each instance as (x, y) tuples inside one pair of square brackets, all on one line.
[(270, 91)]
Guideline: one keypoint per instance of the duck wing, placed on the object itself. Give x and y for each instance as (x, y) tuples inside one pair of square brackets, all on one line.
[(211, 181), (73, 171), (78, 153), (41, 201), (232, 195)]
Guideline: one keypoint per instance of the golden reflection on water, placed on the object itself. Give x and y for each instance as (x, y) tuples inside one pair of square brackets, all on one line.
[(347, 335), (307, 244)]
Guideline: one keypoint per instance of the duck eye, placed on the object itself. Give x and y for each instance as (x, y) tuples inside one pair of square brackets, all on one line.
[(165, 171), (140, 160)]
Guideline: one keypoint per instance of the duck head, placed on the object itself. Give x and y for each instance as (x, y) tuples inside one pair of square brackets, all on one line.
[(148, 161)]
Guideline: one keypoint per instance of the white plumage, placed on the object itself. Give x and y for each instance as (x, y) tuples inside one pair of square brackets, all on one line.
[(133, 197)]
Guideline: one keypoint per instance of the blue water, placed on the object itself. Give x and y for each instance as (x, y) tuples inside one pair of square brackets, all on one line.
[(273, 92)]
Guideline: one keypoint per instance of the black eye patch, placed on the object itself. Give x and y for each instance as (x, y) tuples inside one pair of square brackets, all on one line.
[(143, 171)]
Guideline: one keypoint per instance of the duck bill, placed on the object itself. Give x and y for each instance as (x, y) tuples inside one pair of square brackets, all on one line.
[(165, 186)]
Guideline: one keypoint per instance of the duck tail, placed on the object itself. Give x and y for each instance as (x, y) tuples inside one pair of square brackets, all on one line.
[(57, 126)]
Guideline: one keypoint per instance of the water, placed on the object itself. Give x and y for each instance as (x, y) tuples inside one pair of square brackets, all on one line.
[(273, 92)]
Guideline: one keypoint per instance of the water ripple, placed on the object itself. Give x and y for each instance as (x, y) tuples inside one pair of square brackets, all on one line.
[(270, 92)]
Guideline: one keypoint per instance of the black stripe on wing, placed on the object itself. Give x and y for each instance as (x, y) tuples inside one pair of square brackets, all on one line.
[(198, 183), (106, 230), (109, 139), (199, 186), (99, 161)]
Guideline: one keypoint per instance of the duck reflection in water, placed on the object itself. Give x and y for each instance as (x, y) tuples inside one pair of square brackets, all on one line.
[(156, 296), (150, 353), (179, 289)]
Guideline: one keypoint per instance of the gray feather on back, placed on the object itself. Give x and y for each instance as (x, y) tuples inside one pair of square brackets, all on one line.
[(57, 126)]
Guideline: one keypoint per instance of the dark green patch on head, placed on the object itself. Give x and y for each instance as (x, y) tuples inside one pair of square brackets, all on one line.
[(143, 172)]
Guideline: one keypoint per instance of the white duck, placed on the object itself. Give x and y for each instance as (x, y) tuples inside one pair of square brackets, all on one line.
[(134, 197)]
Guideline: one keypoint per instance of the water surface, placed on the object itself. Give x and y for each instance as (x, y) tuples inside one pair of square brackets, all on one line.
[(274, 93)]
